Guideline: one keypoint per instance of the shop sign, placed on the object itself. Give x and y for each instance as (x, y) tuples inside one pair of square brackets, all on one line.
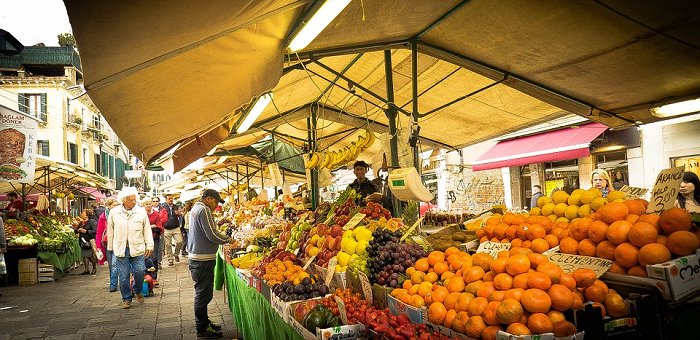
[(632, 193), (570, 263), (18, 134), (493, 248), (665, 190)]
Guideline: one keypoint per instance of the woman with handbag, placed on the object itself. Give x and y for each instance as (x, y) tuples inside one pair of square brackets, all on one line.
[(87, 228)]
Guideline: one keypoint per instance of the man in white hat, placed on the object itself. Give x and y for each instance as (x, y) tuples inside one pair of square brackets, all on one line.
[(129, 237)]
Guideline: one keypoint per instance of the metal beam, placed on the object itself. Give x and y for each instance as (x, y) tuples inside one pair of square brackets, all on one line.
[(275, 121), (353, 49), (345, 69), (414, 94), (463, 97), (440, 19), (345, 89)]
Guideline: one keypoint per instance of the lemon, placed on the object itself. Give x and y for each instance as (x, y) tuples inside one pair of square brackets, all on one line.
[(548, 208), (616, 195), (536, 211), (561, 219), (598, 202), (588, 196), (552, 217), (571, 212), (560, 196), (543, 200), (559, 209), (584, 210), (575, 199)]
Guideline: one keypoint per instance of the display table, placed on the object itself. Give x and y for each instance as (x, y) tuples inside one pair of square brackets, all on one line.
[(254, 316), (62, 262)]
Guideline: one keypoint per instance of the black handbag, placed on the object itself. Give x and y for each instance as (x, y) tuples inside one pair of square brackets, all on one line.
[(84, 244)]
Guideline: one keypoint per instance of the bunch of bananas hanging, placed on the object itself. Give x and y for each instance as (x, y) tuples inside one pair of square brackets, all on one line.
[(333, 159), (238, 187)]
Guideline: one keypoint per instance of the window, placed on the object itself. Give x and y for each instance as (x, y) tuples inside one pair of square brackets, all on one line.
[(98, 164), (33, 104), (86, 158), (72, 153), (42, 147), (690, 163)]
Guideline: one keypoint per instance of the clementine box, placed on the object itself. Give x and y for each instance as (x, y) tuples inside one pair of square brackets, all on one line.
[(681, 274), (415, 314)]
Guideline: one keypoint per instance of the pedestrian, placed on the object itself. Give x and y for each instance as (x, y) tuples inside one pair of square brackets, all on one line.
[(536, 194), (156, 230), (129, 236), (600, 179), (171, 222), (185, 226), (87, 228), (110, 204), (3, 249), (202, 244)]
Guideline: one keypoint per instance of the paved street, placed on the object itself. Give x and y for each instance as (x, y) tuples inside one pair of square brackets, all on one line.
[(81, 307)]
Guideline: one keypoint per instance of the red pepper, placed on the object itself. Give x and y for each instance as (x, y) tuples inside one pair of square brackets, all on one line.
[(403, 320)]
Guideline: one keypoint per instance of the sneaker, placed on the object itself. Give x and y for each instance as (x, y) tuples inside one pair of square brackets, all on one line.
[(215, 326), (170, 263), (126, 304), (209, 333), (139, 298), (177, 258), (112, 290)]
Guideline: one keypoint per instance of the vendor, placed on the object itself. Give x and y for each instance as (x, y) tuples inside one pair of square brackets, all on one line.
[(14, 205), (361, 184), (688, 194)]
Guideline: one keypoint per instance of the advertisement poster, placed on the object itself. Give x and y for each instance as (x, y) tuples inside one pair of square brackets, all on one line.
[(17, 146)]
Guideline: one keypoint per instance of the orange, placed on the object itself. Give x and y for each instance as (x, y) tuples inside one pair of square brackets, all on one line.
[(617, 231), (642, 233), (535, 231), (595, 293), (517, 264), (617, 269), (447, 275), (539, 245), (475, 326), (675, 219), (579, 231), (424, 288), (499, 265), (439, 294), (486, 289), (626, 255), (456, 284), (521, 231), (662, 239), (490, 313), (473, 274), (536, 301), (431, 277), (422, 265), (435, 257), (463, 301), (518, 250), (512, 232), (605, 250), (441, 267), (410, 270), (516, 243), (515, 294), (460, 322), (539, 281), (556, 316), (613, 211), (599, 305), (477, 306), (637, 271), (539, 323), (552, 270), (417, 277), (509, 311), (652, 219), (472, 287), (552, 240), (436, 313), (586, 247), (653, 253), (417, 301), (449, 318), (682, 243), (635, 207), (536, 260), (578, 300), (584, 277), (615, 305), (489, 276), (631, 218), (482, 260), (597, 231), (452, 250), (503, 281), (518, 329), (451, 301), (499, 230), (520, 281), (490, 332), (406, 284), (568, 245), (562, 298), (563, 328)]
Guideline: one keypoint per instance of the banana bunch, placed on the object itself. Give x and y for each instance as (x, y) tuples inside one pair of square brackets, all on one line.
[(239, 187), (246, 261), (333, 159)]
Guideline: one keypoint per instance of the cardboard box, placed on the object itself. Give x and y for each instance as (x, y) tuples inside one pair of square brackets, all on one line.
[(659, 285), (415, 314), (350, 331), (339, 278), (682, 275), (380, 296)]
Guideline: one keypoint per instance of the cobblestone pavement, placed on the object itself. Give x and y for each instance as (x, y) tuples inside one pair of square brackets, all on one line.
[(81, 307)]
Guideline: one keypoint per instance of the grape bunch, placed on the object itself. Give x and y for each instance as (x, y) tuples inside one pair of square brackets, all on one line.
[(389, 258)]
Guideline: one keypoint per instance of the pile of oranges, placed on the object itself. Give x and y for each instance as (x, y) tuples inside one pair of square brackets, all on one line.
[(520, 292), (278, 271), (537, 233), (624, 233)]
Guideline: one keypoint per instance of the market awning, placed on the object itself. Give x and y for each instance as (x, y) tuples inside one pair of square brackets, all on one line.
[(545, 147), (93, 192)]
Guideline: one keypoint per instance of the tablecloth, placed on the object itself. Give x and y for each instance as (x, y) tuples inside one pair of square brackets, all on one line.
[(62, 262)]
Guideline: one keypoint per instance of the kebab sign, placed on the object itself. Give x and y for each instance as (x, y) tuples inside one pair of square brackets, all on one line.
[(17, 146)]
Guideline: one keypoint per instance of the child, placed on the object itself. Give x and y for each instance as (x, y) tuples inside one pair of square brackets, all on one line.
[(148, 278)]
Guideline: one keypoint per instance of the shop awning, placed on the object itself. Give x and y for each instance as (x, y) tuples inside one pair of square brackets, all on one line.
[(93, 192), (545, 147)]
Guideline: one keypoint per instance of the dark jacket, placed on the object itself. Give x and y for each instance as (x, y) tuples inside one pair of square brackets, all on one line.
[(170, 219)]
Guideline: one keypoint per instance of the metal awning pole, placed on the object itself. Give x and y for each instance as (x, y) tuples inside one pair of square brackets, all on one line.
[(274, 160), (414, 85), (391, 114), (311, 128), (238, 182)]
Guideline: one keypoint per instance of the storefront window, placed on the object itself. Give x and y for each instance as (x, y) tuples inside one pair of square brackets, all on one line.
[(690, 163), (561, 175), (615, 163)]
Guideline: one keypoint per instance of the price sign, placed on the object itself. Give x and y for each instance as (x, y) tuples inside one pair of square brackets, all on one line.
[(570, 263), (309, 261), (354, 221), (366, 286), (421, 241), (410, 230), (331, 270), (632, 192), (330, 217), (492, 248), (663, 196), (551, 251), (341, 309)]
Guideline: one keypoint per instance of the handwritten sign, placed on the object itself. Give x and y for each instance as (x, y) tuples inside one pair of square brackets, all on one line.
[(330, 217), (570, 263), (633, 192), (309, 261), (492, 248), (341, 309), (421, 241), (354, 221), (366, 286), (663, 196), (410, 230), (331, 270)]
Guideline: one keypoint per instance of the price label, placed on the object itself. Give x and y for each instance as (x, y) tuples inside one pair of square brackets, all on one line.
[(633, 192), (331, 270), (354, 221), (341, 309), (493, 248), (410, 230), (330, 217), (665, 190), (570, 263), (366, 286), (551, 251), (421, 241), (309, 261)]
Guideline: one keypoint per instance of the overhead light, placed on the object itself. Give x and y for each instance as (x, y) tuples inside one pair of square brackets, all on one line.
[(325, 14), (675, 109), (255, 112)]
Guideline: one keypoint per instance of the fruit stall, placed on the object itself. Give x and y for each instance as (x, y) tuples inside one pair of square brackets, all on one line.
[(50, 239), (579, 265)]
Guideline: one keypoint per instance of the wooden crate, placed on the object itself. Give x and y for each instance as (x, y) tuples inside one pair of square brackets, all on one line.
[(28, 279)]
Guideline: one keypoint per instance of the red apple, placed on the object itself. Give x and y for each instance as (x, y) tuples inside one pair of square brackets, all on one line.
[(336, 231), (338, 240), (322, 229)]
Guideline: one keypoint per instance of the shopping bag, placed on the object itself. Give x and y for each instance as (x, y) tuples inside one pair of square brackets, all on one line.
[(3, 265)]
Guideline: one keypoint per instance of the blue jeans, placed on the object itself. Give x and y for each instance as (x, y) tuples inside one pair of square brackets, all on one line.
[(130, 265), (157, 254), (113, 278), (203, 277)]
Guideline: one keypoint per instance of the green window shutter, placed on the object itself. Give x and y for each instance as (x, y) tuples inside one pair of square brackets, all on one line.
[(43, 107), (22, 103)]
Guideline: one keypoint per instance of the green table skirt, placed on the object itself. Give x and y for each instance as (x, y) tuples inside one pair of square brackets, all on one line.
[(254, 316), (62, 262)]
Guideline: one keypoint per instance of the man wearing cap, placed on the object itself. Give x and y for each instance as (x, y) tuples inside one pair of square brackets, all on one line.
[(361, 184), (202, 243), (129, 237)]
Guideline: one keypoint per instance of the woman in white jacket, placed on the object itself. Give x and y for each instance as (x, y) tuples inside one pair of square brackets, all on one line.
[(129, 237)]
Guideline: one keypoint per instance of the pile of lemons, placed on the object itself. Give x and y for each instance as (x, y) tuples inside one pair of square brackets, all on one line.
[(562, 207)]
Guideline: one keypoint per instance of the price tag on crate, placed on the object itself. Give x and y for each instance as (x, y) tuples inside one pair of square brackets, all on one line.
[(570, 263), (366, 286), (341, 309), (330, 217), (330, 270), (309, 262), (663, 196), (355, 220), (410, 230), (633, 192), (493, 248)]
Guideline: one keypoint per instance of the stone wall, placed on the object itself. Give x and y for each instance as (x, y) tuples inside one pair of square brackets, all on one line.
[(474, 191)]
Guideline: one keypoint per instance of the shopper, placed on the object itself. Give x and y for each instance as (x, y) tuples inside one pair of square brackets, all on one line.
[(171, 222), (185, 226), (101, 239), (361, 184), (202, 244), (157, 232), (129, 236), (3, 249), (601, 181), (688, 196), (536, 194), (86, 230)]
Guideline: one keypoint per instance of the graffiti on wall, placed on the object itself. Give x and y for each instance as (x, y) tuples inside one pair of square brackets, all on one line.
[(474, 192)]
